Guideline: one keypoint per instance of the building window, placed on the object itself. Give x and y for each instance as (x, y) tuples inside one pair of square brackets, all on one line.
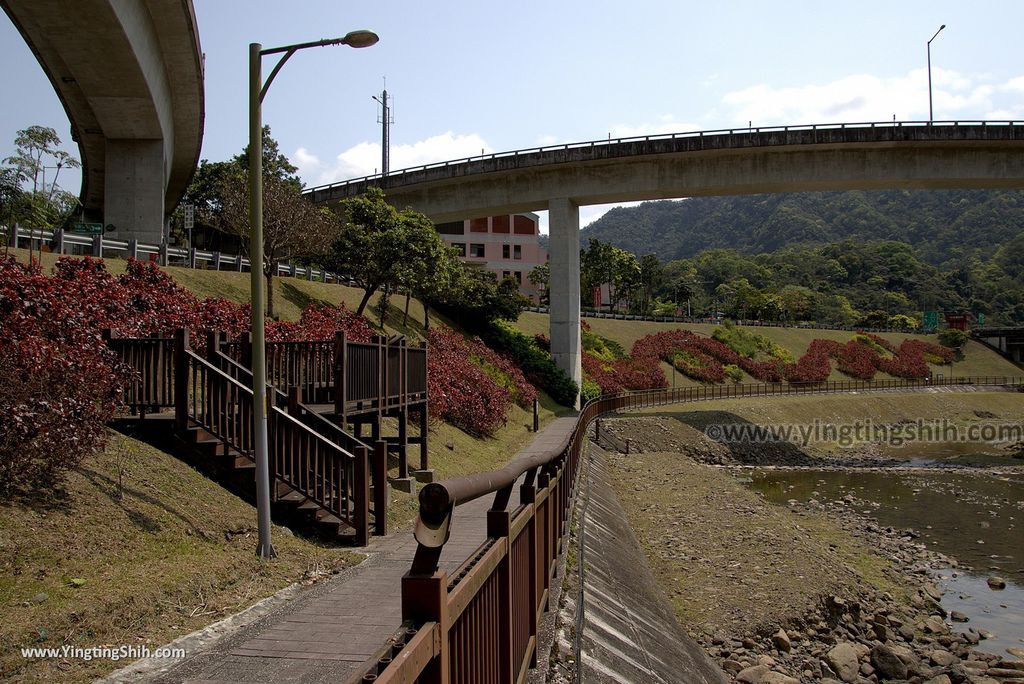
[(505, 251), (523, 225), (519, 278), (460, 248), (451, 228), (476, 250), (499, 224), (506, 274), (478, 225), (517, 252)]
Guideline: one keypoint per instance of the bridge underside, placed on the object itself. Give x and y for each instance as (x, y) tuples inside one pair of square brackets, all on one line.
[(799, 160), (130, 76)]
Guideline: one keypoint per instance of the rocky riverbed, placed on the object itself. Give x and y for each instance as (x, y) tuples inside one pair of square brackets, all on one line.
[(820, 592), (870, 635)]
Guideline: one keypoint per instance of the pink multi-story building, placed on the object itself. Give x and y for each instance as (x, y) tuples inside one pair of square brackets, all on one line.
[(507, 245)]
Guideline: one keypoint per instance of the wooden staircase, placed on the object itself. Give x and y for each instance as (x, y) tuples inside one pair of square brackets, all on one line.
[(322, 478)]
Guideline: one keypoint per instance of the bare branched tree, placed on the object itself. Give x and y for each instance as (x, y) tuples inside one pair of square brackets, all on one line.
[(293, 228)]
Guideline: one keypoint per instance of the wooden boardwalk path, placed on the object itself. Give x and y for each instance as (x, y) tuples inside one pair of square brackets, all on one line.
[(329, 631)]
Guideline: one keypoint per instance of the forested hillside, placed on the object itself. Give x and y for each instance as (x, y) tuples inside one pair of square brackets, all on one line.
[(852, 258), (942, 225)]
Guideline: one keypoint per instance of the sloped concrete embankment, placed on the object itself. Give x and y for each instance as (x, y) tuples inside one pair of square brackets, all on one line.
[(628, 631)]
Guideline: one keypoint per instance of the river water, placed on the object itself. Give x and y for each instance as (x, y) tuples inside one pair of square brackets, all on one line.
[(976, 517)]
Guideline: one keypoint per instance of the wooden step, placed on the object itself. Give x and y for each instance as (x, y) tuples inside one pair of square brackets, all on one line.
[(293, 498)]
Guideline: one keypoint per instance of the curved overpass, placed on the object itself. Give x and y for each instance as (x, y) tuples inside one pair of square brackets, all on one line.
[(785, 159), (130, 76)]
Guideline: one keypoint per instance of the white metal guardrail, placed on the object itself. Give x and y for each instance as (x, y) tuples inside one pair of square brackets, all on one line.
[(63, 242)]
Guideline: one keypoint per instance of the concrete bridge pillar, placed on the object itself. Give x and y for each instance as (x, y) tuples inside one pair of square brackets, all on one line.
[(134, 182), (564, 248)]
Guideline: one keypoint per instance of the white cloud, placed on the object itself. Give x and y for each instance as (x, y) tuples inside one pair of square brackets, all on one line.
[(364, 158), (666, 123), (864, 97)]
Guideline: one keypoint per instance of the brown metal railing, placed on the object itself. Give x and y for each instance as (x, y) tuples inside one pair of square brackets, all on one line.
[(480, 624)]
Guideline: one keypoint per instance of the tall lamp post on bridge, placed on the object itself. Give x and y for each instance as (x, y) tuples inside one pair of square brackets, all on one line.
[(261, 408), (929, 46)]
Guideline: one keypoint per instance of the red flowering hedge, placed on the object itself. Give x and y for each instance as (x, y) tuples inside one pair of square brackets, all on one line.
[(623, 374), (461, 392), (59, 383), (703, 358)]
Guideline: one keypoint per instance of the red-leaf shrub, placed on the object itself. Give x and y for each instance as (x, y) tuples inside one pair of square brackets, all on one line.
[(459, 391), (857, 360), (699, 366), (320, 322), (59, 383), (623, 374)]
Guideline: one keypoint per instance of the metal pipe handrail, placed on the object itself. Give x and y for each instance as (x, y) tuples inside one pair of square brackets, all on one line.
[(604, 142)]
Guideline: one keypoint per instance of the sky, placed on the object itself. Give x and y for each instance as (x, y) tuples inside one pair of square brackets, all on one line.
[(468, 76)]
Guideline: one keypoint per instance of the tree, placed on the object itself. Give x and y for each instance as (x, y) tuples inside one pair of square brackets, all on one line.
[(602, 263), (293, 228), (476, 298), (540, 277), (652, 276), (379, 246), (275, 163), (206, 191), (46, 204), (37, 145)]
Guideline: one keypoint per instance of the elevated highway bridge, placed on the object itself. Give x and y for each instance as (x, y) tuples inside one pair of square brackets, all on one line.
[(560, 179), (130, 76)]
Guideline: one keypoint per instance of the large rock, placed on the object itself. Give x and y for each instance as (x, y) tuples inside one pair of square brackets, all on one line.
[(752, 675), (887, 663), (942, 658), (941, 679), (778, 678), (842, 658), (781, 641)]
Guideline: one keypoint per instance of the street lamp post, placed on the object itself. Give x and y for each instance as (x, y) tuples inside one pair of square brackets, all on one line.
[(261, 408), (929, 46)]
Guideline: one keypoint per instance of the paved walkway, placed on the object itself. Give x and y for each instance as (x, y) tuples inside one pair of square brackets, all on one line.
[(330, 630)]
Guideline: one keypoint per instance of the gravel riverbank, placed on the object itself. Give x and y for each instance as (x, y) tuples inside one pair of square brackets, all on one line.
[(811, 592)]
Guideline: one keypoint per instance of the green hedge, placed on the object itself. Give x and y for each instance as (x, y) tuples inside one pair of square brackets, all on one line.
[(535, 363)]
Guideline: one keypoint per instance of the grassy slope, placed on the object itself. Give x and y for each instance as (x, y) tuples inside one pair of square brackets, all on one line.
[(163, 554), (291, 295), (978, 360)]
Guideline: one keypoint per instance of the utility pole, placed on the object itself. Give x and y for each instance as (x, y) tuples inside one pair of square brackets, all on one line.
[(386, 119)]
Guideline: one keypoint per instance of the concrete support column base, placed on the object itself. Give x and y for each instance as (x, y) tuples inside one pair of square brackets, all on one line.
[(424, 476), (403, 484)]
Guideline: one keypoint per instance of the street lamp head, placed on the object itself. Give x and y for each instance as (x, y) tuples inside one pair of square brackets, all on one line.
[(360, 39)]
